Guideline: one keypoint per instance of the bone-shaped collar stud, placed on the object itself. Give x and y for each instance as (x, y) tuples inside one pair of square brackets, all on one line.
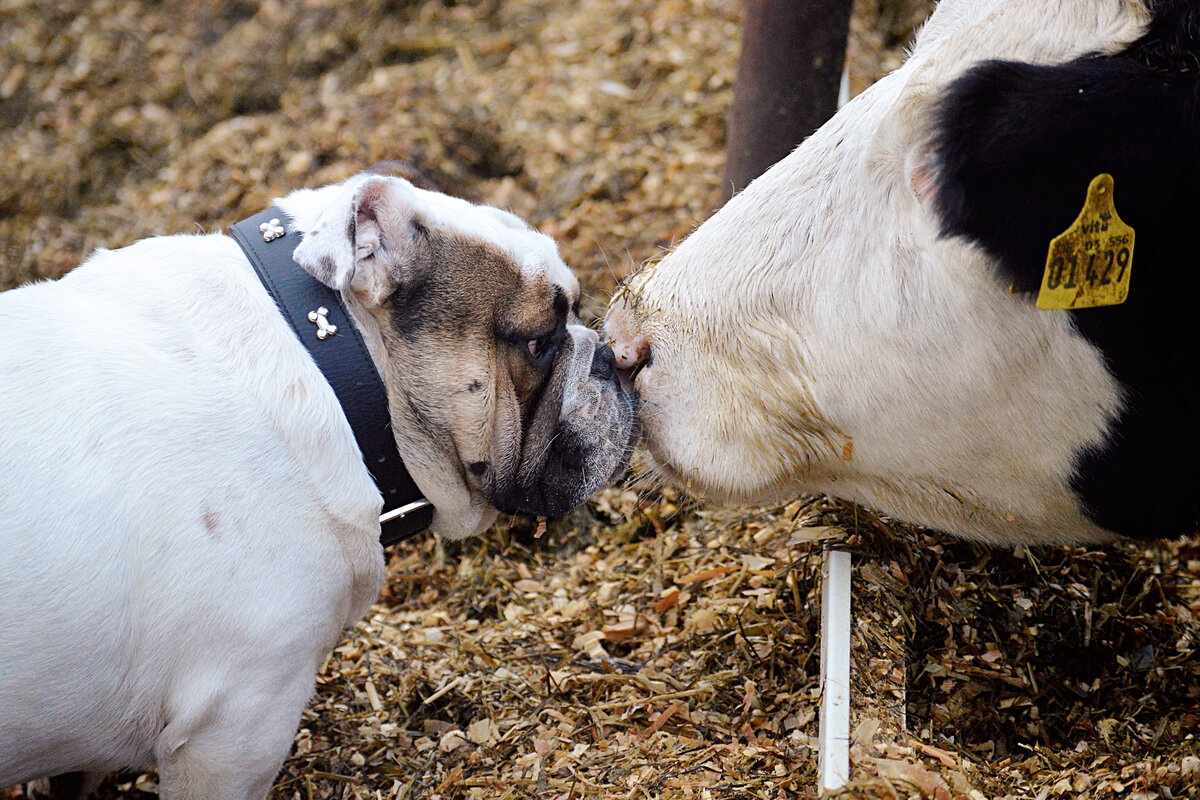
[(320, 318), (272, 230)]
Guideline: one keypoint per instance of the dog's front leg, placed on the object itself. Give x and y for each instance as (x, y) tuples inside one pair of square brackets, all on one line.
[(230, 744)]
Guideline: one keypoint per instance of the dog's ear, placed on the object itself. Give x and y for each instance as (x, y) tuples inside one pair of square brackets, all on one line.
[(365, 239)]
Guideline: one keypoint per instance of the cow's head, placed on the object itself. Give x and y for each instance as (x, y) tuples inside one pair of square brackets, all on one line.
[(860, 321)]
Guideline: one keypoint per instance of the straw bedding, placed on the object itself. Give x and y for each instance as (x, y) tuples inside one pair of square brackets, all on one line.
[(643, 647)]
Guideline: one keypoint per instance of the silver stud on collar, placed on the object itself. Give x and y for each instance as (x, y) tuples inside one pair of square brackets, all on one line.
[(271, 231), (320, 318)]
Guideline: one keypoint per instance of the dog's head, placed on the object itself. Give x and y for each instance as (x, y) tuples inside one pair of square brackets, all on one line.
[(501, 399)]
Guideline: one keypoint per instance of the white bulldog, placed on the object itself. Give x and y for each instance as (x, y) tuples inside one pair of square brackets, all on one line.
[(861, 320), (186, 522)]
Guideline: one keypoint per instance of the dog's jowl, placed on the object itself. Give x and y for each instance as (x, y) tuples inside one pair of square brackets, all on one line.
[(968, 300), (186, 521)]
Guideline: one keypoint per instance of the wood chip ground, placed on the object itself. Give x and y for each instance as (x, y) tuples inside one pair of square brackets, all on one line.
[(641, 648)]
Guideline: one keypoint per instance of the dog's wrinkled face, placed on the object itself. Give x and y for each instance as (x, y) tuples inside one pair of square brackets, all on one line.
[(502, 400)]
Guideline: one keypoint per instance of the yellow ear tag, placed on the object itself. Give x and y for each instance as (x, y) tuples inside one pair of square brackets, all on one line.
[(1088, 264)]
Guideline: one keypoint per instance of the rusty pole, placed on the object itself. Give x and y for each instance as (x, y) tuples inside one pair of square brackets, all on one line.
[(787, 82)]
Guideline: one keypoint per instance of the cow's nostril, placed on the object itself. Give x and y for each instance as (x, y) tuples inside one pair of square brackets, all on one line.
[(631, 352)]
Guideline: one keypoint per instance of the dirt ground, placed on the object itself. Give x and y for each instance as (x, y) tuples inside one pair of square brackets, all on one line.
[(644, 647)]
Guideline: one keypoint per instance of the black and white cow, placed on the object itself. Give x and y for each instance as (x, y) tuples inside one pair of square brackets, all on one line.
[(861, 320)]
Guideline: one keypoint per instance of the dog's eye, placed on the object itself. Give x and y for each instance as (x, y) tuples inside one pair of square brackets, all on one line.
[(539, 347), (542, 349)]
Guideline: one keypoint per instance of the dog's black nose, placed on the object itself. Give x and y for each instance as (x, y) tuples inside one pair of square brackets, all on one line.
[(604, 363)]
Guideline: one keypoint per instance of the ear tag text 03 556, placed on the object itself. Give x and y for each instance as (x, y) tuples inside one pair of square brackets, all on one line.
[(1088, 264)]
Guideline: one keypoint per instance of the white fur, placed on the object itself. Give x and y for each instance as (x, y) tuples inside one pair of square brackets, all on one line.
[(153, 610), (186, 523), (816, 335)]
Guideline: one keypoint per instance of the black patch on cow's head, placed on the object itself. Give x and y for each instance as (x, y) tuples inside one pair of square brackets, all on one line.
[(1014, 148)]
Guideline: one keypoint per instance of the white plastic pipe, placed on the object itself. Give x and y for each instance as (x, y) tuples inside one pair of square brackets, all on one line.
[(833, 763)]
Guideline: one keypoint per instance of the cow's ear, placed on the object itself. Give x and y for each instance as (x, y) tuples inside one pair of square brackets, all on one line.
[(1014, 147), (903, 134), (920, 172)]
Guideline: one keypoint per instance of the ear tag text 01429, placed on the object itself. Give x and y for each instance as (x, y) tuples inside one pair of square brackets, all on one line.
[(1088, 264)]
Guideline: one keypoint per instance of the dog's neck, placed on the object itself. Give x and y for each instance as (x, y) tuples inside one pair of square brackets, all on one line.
[(338, 332), (304, 207)]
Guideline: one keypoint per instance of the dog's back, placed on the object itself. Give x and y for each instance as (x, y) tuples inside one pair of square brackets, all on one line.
[(124, 389)]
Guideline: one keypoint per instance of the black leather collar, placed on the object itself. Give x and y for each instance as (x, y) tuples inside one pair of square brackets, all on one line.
[(316, 314)]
